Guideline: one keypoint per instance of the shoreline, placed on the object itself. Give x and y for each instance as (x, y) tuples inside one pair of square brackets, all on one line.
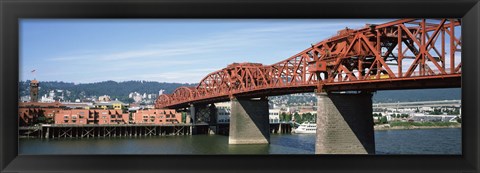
[(382, 127)]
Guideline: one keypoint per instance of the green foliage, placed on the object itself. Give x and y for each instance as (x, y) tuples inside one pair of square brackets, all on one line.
[(383, 120), (288, 117), (42, 120), (436, 112), (459, 119), (184, 117), (297, 118), (456, 111), (283, 117), (442, 124), (306, 117)]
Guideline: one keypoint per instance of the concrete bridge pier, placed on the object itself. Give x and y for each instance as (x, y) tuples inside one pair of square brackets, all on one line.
[(345, 124), (249, 123)]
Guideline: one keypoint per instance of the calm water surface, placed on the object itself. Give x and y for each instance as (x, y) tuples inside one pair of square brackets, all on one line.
[(420, 141)]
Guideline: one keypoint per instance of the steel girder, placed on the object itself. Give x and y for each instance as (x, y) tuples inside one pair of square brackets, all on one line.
[(400, 50)]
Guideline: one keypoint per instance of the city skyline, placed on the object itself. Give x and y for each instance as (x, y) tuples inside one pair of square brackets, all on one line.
[(183, 51)]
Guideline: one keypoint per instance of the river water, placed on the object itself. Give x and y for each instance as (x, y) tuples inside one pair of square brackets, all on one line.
[(418, 141)]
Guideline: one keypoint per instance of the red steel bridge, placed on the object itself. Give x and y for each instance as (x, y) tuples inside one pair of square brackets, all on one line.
[(401, 54)]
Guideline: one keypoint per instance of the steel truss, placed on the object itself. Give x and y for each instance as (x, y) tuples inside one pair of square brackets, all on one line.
[(404, 51)]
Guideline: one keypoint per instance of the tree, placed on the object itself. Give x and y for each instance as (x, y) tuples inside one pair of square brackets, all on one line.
[(298, 118), (307, 117), (288, 117), (459, 119), (383, 120), (283, 116), (42, 120), (184, 117)]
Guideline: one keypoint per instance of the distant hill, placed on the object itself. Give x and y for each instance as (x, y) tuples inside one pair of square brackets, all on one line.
[(114, 89), (121, 90)]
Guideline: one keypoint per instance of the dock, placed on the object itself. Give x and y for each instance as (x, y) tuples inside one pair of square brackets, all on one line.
[(57, 131)]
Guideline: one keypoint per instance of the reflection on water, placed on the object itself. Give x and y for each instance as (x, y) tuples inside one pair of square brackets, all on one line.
[(421, 141)]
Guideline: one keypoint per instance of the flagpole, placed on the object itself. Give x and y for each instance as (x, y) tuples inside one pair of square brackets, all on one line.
[(33, 73)]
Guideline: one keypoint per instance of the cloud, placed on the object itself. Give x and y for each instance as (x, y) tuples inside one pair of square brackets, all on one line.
[(195, 55), (227, 40), (185, 76)]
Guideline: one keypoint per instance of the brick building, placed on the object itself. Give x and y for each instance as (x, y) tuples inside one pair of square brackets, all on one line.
[(84, 116), (29, 112), (157, 116), (57, 113)]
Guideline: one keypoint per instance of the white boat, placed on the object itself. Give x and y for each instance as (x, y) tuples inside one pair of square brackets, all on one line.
[(306, 128)]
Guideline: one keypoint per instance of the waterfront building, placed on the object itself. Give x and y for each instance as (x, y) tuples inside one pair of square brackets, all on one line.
[(223, 115), (112, 117), (117, 105), (28, 112), (274, 115), (434, 118), (25, 98), (223, 112), (156, 116), (76, 116), (104, 98), (34, 90), (83, 116), (78, 105)]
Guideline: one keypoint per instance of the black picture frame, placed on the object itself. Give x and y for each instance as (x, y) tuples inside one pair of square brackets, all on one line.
[(13, 10)]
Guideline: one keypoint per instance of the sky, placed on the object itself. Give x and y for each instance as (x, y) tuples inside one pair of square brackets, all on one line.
[(162, 50)]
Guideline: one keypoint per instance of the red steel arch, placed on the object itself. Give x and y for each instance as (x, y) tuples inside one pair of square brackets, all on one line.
[(163, 99), (405, 53), (182, 93)]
